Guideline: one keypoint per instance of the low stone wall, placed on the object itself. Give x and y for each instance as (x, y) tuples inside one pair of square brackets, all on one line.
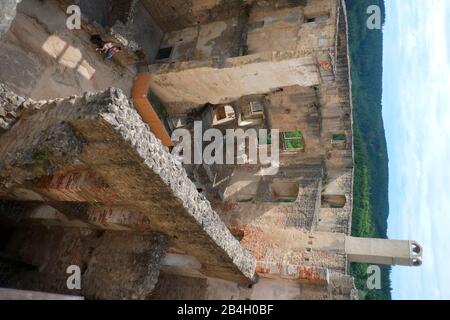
[(11, 107)]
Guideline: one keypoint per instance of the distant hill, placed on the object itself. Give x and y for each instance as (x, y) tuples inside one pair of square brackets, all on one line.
[(371, 202)]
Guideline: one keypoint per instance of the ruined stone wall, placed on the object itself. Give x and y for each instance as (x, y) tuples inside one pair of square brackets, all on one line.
[(322, 170), (336, 106), (176, 287), (103, 133), (184, 86), (255, 30), (220, 39), (337, 219), (274, 30), (288, 263), (279, 249), (114, 265), (297, 108), (288, 29), (100, 140), (179, 14), (249, 199), (291, 282), (253, 52)]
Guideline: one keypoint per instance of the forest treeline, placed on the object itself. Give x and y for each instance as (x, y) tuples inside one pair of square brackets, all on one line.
[(371, 201)]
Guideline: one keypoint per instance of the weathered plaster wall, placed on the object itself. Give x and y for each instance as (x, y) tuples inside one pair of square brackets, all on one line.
[(186, 85), (297, 108), (274, 30), (181, 287), (249, 200), (287, 29), (180, 280), (336, 110), (253, 53), (255, 30), (337, 219), (176, 287), (179, 14), (216, 39), (282, 251)]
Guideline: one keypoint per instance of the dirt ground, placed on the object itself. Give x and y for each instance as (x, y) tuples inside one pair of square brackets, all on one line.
[(42, 59)]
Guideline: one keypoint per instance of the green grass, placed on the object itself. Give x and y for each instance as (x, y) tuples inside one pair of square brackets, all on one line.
[(38, 156), (339, 137), (293, 140)]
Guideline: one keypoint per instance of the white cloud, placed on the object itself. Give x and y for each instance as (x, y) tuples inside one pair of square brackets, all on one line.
[(417, 116)]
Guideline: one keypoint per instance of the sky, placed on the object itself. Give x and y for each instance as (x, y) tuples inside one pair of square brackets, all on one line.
[(416, 112)]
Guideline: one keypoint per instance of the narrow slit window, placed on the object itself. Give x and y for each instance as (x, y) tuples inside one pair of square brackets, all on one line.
[(223, 114), (317, 18), (339, 140), (339, 137), (164, 54)]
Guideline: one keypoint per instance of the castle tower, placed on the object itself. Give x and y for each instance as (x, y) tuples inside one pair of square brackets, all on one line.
[(383, 251)]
